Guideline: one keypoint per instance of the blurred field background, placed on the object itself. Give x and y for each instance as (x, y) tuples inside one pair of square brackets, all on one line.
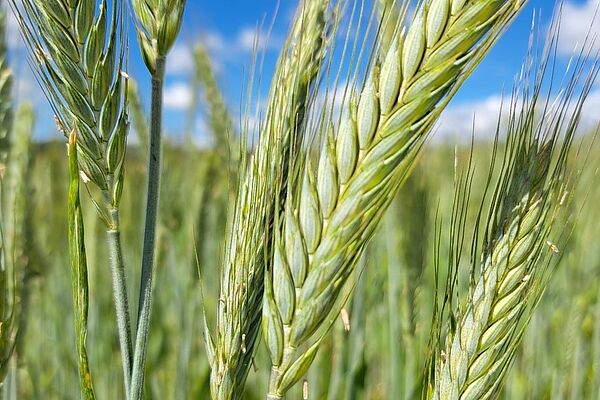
[(365, 356), (390, 311)]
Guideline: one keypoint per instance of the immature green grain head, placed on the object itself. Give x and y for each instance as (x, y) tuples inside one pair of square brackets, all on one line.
[(159, 22), (366, 153), (523, 232), (76, 49), (258, 205)]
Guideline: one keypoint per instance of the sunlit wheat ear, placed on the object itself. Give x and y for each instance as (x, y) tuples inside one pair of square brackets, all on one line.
[(257, 206), (334, 210), (76, 51), (523, 233), (159, 22)]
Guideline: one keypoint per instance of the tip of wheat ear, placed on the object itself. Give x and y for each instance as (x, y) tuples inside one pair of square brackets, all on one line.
[(159, 24)]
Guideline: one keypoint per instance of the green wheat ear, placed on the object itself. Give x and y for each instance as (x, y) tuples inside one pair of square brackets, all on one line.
[(159, 22), (332, 212), (261, 182), (524, 230)]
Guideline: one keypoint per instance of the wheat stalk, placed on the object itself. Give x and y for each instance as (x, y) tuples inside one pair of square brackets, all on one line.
[(159, 22), (239, 311), (522, 227), (362, 163), (76, 52)]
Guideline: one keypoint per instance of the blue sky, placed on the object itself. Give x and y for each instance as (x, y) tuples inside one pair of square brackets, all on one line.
[(228, 28)]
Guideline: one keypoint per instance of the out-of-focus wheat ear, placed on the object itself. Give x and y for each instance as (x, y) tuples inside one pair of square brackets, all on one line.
[(406, 259), (380, 132), (139, 116), (220, 120), (351, 351), (222, 166), (9, 310), (6, 108), (12, 164), (79, 271), (524, 231), (7, 306), (17, 229), (6, 119), (258, 205)]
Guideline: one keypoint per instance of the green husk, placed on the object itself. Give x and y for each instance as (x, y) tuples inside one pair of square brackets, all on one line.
[(79, 271)]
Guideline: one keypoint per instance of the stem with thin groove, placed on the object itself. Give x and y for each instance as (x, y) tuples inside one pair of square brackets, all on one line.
[(120, 296), (145, 301)]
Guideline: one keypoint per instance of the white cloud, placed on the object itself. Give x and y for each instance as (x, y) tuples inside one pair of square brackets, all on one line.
[(249, 37), (181, 60), (481, 117), (177, 96), (241, 45), (578, 21), (590, 117), (460, 119), (202, 136), (214, 42)]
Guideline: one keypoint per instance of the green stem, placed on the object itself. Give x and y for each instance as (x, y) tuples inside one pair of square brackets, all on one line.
[(396, 370), (276, 376), (120, 297), (274, 384), (145, 301)]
